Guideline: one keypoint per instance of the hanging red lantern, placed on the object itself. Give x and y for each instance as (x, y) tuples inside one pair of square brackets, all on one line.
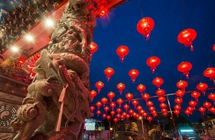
[(131, 112), (135, 103), (118, 110), (93, 47), (145, 96), (212, 96), (99, 85), (195, 95), (141, 88), (182, 85), (212, 109), (151, 108), (145, 114), (193, 103), (214, 47), (190, 109), (93, 93), (106, 109), (124, 114), (127, 116), (185, 67), (115, 120), (149, 103), (104, 100), (122, 51), (160, 92), (153, 62), (112, 105), (98, 112), (108, 117), (202, 110), (133, 74), (122, 117), (98, 104), (187, 37), (157, 81), (210, 73), (111, 95), (207, 104), (202, 87), (126, 107), (109, 72), (163, 105), (129, 96), (119, 101), (141, 111), (104, 116), (164, 114), (178, 100), (145, 26), (177, 107), (118, 115), (176, 112), (161, 99), (139, 108), (120, 87), (21, 60), (179, 93), (187, 112), (112, 113), (164, 110), (149, 119), (92, 108)]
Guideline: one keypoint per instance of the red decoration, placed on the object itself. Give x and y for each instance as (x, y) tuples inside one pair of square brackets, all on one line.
[(160, 92), (193, 103), (108, 117), (212, 109), (115, 120), (179, 93), (104, 100), (145, 26), (106, 108), (178, 100), (93, 47), (112, 105), (214, 47), (112, 113), (163, 105), (135, 103), (187, 37), (210, 73), (98, 112), (161, 99), (165, 114), (99, 85), (202, 110), (187, 112), (92, 108), (104, 116), (126, 107), (177, 112), (118, 115), (157, 81), (131, 112), (195, 95), (185, 67), (139, 108), (141, 88), (109, 72), (122, 51), (93, 93), (212, 96), (133, 74), (118, 110), (127, 116), (177, 107), (102, 11), (111, 95), (120, 87), (149, 103), (153, 62), (151, 108), (119, 101), (164, 110), (202, 87), (190, 109), (207, 104), (21, 60), (149, 119), (145, 96), (98, 104), (182, 85), (129, 96)]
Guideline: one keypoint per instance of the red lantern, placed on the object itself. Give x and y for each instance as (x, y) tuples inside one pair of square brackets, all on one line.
[(163, 105), (106, 108), (99, 85), (149, 103), (93, 93), (112, 113), (126, 107), (164, 114), (124, 114), (141, 88), (120, 87), (139, 108), (109, 72), (145, 114), (207, 104), (21, 60), (202, 87), (128, 96), (112, 105), (153, 62), (92, 108), (93, 47), (214, 47), (135, 103), (177, 112), (190, 109), (127, 116), (210, 73), (187, 37), (133, 74), (202, 110), (193, 103), (108, 117), (98, 112), (212, 109), (145, 26), (104, 100), (164, 110), (122, 51), (119, 101), (179, 93), (115, 120), (195, 95), (104, 116), (118, 115), (182, 85), (212, 96), (187, 112), (160, 92), (149, 119), (111, 95), (118, 110), (151, 108), (161, 99), (177, 107), (185, 67), (145, 96), (157, 81), (131, 112), (178, 100), (98, 104)]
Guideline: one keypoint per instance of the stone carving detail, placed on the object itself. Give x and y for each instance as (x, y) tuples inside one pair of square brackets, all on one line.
[(58, 99)]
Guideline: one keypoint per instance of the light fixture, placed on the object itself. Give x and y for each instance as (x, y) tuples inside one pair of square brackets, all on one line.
[(14, 49), (111, 128), (49, 22), (186, 130), (29, 37)]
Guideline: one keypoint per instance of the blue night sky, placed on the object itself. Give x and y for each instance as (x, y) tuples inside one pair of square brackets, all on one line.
[(170, 17)]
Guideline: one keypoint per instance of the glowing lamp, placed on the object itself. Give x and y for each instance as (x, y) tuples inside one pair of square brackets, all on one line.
[(141, 88), (157, 81), (179, 93), (202, 87), (98, 104), (161, 99), (185, 67), (210, 73), (129, 96), (178, 100), (133, 74), (182, 85), (135, 103), (207, 104), (122, 51), (126, 107), (98, 112), (111, 95), (192, 103), (146, 96), (93, 47), (145, 26), (160, 92), (119, 101), (104, 100), (202, 110), (112, 105), (106, 109), (99, 85), (195, 95), (149, 119), (109, 72), (120, 87), (93, 93), (153, 62), (211, 96)]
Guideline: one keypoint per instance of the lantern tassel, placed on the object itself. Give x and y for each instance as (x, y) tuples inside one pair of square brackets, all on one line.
[(191, 48)]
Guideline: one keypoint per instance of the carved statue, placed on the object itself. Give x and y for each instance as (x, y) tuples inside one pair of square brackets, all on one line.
[(58, 99)]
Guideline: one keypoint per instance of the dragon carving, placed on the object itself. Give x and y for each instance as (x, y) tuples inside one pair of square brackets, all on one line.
[(57, 101)]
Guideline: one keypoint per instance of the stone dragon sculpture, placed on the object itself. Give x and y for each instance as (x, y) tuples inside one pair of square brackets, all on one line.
[(57, 101)]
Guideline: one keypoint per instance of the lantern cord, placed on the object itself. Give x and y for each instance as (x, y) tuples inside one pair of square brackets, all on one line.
[(211, 59), (184, 21), (150, 48), (117, 36), (120, 81), (139, 4)]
